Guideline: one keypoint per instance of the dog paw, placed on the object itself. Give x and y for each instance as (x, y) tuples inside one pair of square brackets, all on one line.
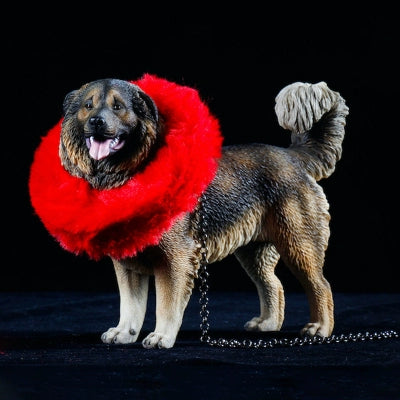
[(119, 336), (158, 340), (315, 329), (261, 325)]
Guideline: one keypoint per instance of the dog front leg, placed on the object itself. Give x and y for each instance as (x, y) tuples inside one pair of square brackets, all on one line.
[(133, 290), (173, 290)]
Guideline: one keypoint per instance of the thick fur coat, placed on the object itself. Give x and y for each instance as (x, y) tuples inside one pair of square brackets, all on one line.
[(261, 202), (143, 198)]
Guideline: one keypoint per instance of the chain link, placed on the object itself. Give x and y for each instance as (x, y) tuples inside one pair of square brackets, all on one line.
[(205, 337)]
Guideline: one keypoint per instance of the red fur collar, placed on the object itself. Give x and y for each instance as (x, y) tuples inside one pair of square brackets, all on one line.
[(121, 222)]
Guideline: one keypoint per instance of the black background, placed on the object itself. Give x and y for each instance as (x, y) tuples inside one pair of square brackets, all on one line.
[(238, 59)]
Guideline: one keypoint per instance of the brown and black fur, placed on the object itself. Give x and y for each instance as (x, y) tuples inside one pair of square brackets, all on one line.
[(127, 112), (263, 204)]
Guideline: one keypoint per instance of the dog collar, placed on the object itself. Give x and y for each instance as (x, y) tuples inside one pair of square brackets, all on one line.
[(122, 221)]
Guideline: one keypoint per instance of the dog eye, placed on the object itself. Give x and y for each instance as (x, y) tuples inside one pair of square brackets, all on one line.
[(117, 106), (88, 105)]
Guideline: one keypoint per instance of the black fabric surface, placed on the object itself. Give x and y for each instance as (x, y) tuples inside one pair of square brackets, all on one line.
[(50, 348)]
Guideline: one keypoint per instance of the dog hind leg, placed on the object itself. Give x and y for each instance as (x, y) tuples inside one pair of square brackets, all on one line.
[(259, 261), (302, 243), (320, 299), (133, 289)]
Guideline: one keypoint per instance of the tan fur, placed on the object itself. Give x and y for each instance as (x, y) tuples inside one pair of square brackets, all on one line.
[(263, 205)]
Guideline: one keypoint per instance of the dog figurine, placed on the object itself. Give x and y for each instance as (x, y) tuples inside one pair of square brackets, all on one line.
[(263, 204)]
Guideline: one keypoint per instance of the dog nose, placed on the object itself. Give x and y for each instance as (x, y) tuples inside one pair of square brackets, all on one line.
[(97, 122)]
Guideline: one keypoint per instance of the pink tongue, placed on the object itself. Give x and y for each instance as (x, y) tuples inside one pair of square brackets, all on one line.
[(99, 150)]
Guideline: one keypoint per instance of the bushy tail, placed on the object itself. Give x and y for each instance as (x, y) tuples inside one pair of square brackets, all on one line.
[(316, 116)]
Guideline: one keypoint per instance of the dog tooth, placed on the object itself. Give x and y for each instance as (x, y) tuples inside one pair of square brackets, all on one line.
[(114, 142)]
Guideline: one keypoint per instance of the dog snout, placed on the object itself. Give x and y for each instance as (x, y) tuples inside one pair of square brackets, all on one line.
[(97, 122)]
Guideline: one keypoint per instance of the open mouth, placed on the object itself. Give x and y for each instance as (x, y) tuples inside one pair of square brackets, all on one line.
[(99, 149)]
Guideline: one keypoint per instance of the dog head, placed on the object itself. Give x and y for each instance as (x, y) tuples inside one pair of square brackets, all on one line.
[(109, 131)]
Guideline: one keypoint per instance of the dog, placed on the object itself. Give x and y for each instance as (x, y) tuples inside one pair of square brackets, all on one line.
[(264, 204)]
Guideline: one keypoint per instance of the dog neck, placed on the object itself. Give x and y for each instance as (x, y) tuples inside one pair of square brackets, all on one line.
[(122, 221)]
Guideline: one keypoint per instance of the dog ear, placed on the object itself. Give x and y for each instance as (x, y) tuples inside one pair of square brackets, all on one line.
[(71, 97), (150, 106), (68, 100)]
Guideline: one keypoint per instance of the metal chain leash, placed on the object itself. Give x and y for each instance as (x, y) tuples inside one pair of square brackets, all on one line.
[(260, 343)]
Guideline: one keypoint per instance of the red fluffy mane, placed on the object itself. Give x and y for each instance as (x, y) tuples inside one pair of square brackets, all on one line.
[(123, 221)]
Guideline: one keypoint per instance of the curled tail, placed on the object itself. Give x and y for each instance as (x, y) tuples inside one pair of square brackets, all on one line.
[(316, 116)]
